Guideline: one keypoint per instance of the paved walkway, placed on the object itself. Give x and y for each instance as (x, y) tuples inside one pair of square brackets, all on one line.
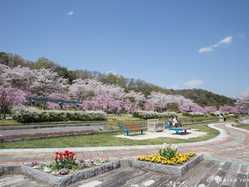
[(232, 144), (44, 132)]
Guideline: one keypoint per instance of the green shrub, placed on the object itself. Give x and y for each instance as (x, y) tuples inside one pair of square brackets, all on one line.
[(194, 114), (152, 114), (29, 115)]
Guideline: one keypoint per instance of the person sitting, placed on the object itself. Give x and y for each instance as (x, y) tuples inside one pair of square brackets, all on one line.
[(176, 122), (169, 123)]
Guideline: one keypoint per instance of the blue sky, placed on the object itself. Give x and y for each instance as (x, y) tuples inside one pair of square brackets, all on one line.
[(175, 44)]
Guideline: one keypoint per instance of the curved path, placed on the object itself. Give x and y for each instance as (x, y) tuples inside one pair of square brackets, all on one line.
[(231, 144)]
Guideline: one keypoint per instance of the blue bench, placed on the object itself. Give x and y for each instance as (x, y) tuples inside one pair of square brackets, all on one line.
[(130, 128), (178, 130)]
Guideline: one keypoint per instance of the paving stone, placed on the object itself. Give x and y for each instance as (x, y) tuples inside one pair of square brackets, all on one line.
[(194, 175), (242, 176), (230, 178), (207, 178), (18, 181)]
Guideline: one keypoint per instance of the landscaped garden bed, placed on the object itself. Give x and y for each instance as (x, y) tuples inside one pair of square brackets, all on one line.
[(66, 169), (168, 160)]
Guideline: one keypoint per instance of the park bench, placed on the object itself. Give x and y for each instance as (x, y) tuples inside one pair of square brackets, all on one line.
[(134, 127), (178, 130)]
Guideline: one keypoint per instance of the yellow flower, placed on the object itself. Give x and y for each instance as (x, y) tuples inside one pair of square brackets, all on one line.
[(180, 158)]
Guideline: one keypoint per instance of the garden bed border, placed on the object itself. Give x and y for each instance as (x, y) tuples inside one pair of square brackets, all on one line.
[(178, 170), (38, 125), (63, 181)]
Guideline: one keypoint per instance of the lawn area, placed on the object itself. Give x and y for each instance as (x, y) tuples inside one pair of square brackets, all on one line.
[(113, 119), (105, 139), (244, 126), (8, 122)]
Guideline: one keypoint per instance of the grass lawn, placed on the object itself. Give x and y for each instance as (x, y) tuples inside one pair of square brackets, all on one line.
[(113, 119), (244, 126), (104, 139), (8, 122)]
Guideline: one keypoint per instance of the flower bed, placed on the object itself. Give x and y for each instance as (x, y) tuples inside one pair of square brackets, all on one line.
[(168, 155), (65, 163), (180, 158), (66, 169), (168, 160)]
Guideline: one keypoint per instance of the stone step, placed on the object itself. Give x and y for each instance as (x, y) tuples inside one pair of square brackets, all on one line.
[(148, 179), (117, 177), (242, 176), (218, 177), (229, 179), (195, 174), (10, 180), (208, 175), (248, 176), (166, 181), (18, 181)]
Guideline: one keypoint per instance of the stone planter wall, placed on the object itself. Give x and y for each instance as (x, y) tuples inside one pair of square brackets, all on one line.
[(177, 170), (63, 181)]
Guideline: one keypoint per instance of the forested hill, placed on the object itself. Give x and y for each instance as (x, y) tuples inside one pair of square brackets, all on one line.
[(199, 96)]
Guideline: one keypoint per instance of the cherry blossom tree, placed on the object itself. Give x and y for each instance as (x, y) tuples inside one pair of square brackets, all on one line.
[(229, 109), (90, 87), (17, 77), (134, 101), (10, 97), (47, 82), (211, 109), (243, 103), (159, 102), (93, 94)]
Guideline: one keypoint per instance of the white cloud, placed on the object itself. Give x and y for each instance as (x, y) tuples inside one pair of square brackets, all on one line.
[(205, 49), (193, 83), (227, 40), (70, 13)]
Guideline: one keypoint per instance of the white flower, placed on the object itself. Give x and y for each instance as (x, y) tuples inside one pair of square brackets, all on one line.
[(164, 146), (174, 146), (47, 169)]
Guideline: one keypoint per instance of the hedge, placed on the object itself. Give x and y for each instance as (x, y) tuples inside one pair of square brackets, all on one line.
[(152, 114), (194, 114), (29, 115)]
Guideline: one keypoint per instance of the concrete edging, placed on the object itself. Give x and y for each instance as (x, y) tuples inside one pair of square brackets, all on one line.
[(52, 124), (177, 170), (63, 181)]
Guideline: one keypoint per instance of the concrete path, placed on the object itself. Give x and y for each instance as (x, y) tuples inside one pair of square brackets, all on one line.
[(231, 144), (45, 132), (205, 174), (19, 181)]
